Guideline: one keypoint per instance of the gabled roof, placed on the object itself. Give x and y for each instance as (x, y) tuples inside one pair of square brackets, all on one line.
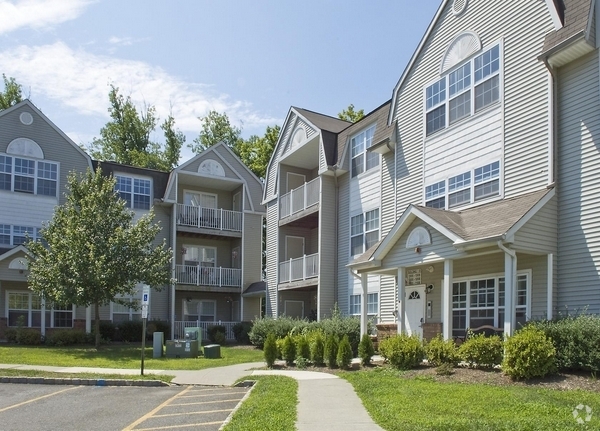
[(159, 178), (13, 251), (494, 221), (576, 17)]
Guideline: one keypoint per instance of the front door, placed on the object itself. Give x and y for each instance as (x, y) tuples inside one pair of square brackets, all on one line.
[(415, 310)]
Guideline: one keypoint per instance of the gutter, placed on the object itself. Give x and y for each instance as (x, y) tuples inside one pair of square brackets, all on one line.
[(554, 131)]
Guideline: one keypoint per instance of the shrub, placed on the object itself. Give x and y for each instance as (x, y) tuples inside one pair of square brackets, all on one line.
[(317, 349), (344, 353), (160, 326), (241, 331), (11, 335), (280, 327), (402, 351), (213, 331), (528, 353), (302, 347), (301, 363), (288, 350), (445, 369), (270, 350), (107, 331), (440, 351), (29, 337), (130, 331), (576, 340), (481, 351), (365, 349), (279, 344), (331, 348), (341, 325), (68, 337)]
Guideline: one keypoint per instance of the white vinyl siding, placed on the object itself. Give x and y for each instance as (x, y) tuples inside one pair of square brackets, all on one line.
[(362, 159)]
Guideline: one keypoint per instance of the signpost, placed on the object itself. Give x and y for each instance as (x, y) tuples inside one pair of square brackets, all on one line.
[(145, 303)]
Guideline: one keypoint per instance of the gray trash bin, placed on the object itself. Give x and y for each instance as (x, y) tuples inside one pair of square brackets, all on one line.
[(157, 346)]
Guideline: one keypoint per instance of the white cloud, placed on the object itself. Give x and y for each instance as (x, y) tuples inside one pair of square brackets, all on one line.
[(125, 41), (38, 13), (80, 81)]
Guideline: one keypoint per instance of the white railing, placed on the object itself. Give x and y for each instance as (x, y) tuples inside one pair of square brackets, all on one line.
[(300, 198), (301, 268), (209, 218), (208, 276), (181, 325)]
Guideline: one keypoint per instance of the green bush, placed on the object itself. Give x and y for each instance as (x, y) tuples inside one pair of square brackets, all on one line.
[(529, 353), (440, 351), (344, 354), (68, 337), (317, 349), (331, 348), (576, 340), (270, 350), (130, 331), (241, 331), (341, 325), (445, 369), (402, 351), (107, 331), (11, 335), (279, 344), (288, 350), (280, 327), (481, 351), (212, 331), (302, 347), (301, 363), (29, 337), (159, 326), (366, 349)]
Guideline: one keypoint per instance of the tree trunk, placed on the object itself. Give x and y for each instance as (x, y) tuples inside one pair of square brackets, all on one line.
[(97, 324)]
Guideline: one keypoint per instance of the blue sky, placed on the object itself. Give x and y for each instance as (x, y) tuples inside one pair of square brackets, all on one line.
[(250, 59)]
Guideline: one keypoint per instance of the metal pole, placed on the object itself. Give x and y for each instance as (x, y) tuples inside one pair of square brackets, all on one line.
[(143, 341)]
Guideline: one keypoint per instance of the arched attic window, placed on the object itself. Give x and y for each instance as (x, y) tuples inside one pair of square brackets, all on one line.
[(299, 136), (25, 147), (211, 167), (461, 48), (418, 236)]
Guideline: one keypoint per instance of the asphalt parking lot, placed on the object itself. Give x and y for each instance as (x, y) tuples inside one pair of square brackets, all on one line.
[(53, 407)]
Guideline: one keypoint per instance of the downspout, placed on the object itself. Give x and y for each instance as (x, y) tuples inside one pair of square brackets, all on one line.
[(554, 121), (336, 235)]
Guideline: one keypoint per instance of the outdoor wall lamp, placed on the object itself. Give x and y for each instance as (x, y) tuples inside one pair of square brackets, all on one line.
[(429, 288)]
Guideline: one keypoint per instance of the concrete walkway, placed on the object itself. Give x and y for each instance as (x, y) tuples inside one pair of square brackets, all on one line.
[(325, 401)]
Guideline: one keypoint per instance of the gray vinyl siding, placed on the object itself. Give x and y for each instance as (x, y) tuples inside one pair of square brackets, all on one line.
[(578, 179), (159, 300), (388, 197), (272, 257), (387, 299), (271, 183), (344, 279), (327, 247), (283, 176), (208, 155), (12, 275), (322, 158), (251, 308), (539, 233), (252, 253), (223, 310), (224, 197)]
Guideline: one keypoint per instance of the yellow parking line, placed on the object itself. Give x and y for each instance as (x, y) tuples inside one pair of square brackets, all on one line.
[(205, 402), (38, 398), (212, 394), (180, 426), (192, 413), (149, 414)]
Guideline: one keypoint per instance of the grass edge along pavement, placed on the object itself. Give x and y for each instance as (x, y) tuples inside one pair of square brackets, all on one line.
[(420, 403), (11, 372), (126, 356)]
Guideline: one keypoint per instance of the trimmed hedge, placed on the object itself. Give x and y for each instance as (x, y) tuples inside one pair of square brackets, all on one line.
[(68, 337), (528, 353), (440, 351), (216, 334), (402, 351), (481, 351), (241, 332)]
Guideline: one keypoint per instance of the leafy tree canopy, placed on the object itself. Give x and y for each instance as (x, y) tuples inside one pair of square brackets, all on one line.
[(216, 127), (349, 114), (127, 137), (12, 93), (256, 151), (93, 251)]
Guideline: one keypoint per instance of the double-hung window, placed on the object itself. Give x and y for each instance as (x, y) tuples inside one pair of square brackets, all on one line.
[(127, 311), (23, 175), (354, 305), (435, 195), (362, 159), (26, 308), (466, 90), (364, 231), (487, 181), (136, 192), (17, 235)]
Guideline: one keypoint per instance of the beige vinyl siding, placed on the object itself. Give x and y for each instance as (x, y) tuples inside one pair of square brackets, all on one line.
[(272, 257), (539, 233), (343, 242), (578, 179), (252, 253), (328, 254), (251, 308)]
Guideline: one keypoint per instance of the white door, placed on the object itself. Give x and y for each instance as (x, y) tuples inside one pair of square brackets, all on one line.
[(415, 310)]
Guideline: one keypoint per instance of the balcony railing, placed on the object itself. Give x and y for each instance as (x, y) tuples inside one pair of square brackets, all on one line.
[(209, 218), (301, 268), (299, 199), (208, 276), (181, 325)]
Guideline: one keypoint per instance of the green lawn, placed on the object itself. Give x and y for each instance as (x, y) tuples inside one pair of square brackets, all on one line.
[(105, 376), (421, 404), (119, 356), (271, 406)]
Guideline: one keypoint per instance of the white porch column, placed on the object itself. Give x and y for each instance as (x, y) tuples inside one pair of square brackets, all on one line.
[(364, 281), (447, 299), (550, 286), (43, 317), (88, 319), (510, 285), (173, 263), (401, 315)]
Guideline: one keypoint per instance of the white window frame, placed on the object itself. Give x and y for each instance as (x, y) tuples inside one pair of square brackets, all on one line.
[(437, 95), (354, 305), (30, 310), (34, 235), (200, 194), (37, 177), (365, 230), (440, 193), (359, 151), (132, 194), (132, 313), (372, 305), (198, 310), (201, 255)]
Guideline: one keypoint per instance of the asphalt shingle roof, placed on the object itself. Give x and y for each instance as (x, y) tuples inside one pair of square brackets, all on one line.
[(576, 15)]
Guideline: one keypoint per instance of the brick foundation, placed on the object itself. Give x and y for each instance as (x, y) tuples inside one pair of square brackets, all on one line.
[(431, 330), (79, 324), (386, 330), (3, 322)]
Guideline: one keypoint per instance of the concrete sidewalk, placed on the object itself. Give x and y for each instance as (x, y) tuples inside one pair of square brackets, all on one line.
[(325, 401)]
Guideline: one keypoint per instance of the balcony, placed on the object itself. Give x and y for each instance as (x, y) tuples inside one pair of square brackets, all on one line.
[(197, 275), (300, 199), (209, 219), (299, 269)]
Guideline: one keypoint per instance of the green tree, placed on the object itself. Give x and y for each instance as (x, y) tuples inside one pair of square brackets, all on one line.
[(216, 127), (93, 251), (349, 114), (126, 138), (256, 151), (12, 93)]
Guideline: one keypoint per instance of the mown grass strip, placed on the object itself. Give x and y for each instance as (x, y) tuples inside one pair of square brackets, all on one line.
[(423, 404), (272, 406), (50, 374)]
